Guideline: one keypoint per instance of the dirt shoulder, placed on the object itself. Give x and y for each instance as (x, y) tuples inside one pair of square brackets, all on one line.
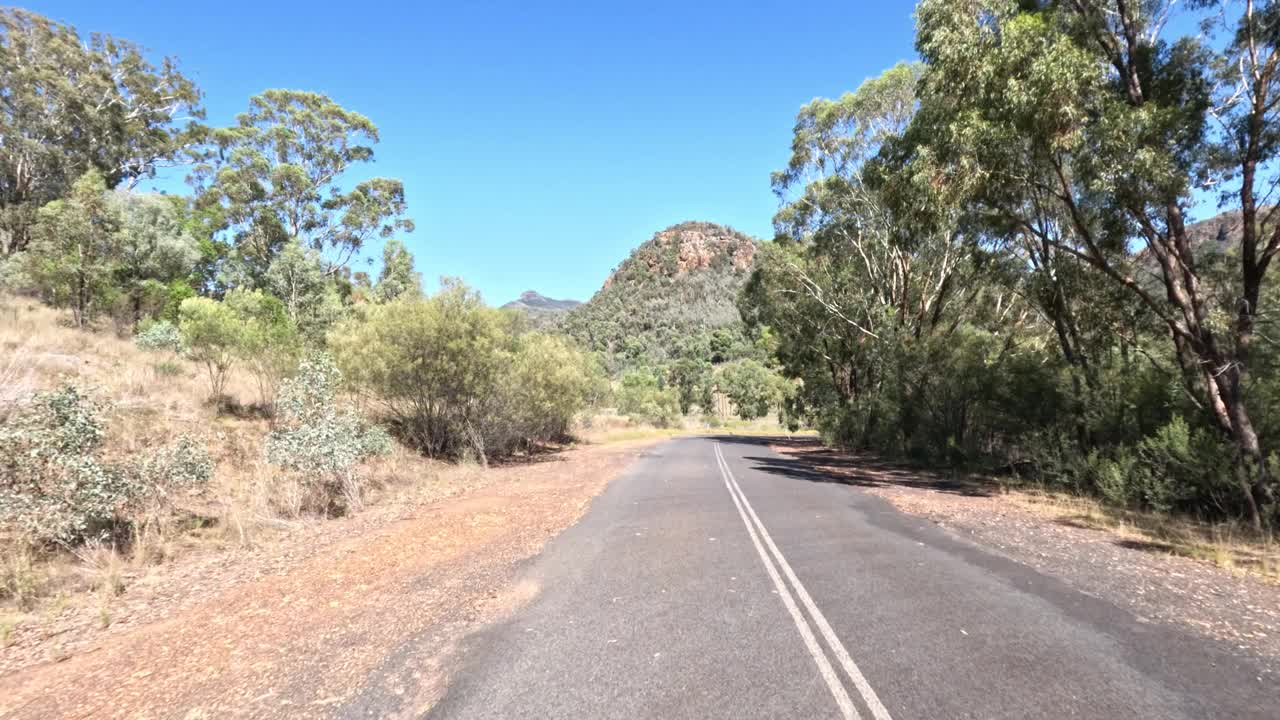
[(1234, 607), (322, 623)]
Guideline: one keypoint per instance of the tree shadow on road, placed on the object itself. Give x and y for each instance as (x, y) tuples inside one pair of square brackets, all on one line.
[(808, 459)]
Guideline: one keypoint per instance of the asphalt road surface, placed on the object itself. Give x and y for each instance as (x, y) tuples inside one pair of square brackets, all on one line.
[(718, 579)]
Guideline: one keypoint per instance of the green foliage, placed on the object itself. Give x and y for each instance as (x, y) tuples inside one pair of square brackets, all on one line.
[(158, 335), (319, 438), (674, 292), (54, 486), (211, 335), (268, 344), (75, 250), (297, 276), (74, 104), (641, 397), (753, 388), (455, 377), (398, 278), (276, 177), (156, 253), (95, 251)]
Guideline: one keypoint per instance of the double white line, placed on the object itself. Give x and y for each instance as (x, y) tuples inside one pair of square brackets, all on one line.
[(756, 530)]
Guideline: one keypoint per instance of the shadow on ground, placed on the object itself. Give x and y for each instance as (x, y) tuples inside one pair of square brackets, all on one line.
[(808, 459)]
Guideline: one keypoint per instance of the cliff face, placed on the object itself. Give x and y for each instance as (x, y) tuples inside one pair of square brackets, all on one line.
[(690, 247)]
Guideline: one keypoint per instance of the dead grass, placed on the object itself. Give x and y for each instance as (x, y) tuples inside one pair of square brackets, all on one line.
[(1227, 544), (153, 398), (609, 427)]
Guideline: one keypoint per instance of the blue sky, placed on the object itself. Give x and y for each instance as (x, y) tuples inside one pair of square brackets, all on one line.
[(539, 142)]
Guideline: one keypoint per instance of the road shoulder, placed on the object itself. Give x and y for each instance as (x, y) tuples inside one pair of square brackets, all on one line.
[(373, 612), (1234, 608)]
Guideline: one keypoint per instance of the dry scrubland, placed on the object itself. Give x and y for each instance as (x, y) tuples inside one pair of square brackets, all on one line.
[(150, 400)]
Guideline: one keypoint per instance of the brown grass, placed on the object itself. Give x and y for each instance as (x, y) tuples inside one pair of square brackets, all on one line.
[(153, 398), (1228, 544)]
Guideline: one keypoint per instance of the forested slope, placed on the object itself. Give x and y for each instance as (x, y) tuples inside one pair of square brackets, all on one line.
[(674, 290)]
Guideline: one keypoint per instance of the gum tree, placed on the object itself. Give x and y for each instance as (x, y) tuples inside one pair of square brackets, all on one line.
[(1078, 125), (276, 177)]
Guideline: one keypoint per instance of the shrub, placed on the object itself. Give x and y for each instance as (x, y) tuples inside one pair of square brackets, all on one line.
[(641, 398), (454, 376), (752, 388), (54, 487), (158, 335), (320, 439), (268, 343), (211, 335)]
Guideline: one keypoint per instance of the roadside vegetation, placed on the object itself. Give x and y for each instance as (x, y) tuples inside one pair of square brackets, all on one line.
[(989, 260), (183, 372)]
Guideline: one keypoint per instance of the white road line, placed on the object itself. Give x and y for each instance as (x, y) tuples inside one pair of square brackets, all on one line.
[(806, 633), (878, 710)]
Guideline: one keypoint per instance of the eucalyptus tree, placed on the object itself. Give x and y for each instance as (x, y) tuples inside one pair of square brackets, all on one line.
[(1078, 124), (397, 278), (75, 250), (73, 104), (277, 176), (870, 267)]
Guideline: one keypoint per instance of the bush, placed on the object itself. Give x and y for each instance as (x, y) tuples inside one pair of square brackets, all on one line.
[(211, 335), (158, 335), (321, 440), (752, 388), (641, 398), (268, 344), (54, 488), (455, 377)]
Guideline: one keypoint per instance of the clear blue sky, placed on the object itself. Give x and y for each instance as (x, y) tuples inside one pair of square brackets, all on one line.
[(538, 142)]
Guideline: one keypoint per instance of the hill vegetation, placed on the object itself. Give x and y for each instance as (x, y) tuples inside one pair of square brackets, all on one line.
[(175, 364), (667, 326), (676, 289)]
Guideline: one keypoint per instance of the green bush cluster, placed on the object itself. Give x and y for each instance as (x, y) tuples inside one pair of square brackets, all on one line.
[(56, 488), (320, 439), (455, 376), (158, 335), (643, 398)]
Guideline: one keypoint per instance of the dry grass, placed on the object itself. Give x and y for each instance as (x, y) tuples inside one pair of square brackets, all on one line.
[(1227, 544), (609, 427), (155, 397)]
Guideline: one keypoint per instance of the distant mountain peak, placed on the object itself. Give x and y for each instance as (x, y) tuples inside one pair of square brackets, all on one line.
[(675, 288), (535, 299)]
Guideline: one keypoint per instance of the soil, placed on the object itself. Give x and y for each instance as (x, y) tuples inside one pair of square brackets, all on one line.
[(317, 625)]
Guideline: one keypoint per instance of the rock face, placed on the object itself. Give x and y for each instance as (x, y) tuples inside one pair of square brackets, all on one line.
[(689, 247), (678, 287)]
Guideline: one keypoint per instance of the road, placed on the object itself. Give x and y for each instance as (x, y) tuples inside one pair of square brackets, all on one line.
[(718, 579)]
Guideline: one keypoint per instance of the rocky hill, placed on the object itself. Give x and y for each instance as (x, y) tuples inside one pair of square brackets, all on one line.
[(675, 289)]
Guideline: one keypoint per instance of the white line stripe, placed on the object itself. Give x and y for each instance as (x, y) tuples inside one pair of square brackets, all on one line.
[(878, 710), (824, 665)]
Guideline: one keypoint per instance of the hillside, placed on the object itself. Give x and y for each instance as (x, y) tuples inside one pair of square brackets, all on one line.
[(675, 289)]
